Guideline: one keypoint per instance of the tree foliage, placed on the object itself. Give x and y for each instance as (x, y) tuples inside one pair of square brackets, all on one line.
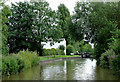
[(115, 43), (88, 49), (30, 24), (65, 22), (79, 20), (102, 20), (4, 14), (62, 47), (70, 49), (96, 21)]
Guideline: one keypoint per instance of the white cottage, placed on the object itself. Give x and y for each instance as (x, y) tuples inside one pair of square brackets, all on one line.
[(56, 45)]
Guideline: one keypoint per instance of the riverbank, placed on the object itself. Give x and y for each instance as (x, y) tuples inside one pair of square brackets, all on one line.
[(67, 69), (51, 59), (57, 56), (15, 63)]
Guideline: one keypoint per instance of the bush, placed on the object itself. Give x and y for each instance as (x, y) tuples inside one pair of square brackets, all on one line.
[(115, 44), (62, 52), (62, 47), (70, 49), (76, 45), (58, 52), (20, 62), (15, 63), (110, 60), (53, 51), (104, 61), (9, 65), (115, 63)]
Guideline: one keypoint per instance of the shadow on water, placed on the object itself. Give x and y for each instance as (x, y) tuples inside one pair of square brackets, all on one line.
[(71, 69)]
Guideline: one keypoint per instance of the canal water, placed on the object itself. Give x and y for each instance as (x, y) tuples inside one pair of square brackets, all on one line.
[(70, 69)]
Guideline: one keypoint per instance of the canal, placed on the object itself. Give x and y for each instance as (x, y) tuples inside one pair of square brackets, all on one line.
[(70, 69)]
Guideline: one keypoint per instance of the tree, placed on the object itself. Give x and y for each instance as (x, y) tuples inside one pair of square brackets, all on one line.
[(79, 19), (95, 21), (65, 22), (62, 47), (4, 14), (32, 23), (102, 20), (88, 49)]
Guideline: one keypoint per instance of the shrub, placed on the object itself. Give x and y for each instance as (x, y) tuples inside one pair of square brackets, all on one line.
[(9, 65), (76, 45), (62, 52), (114, 63), (15, 63), (20, 62), (104, 61), (58, 52), (61, 47), (53, 51), (70, 49), (115, 43), (30, 58)]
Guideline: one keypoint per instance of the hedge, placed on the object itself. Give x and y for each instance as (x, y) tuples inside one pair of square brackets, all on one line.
[(70, 49), (53, 51)]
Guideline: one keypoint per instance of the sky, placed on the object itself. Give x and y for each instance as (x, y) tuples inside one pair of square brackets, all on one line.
[(70, 4)]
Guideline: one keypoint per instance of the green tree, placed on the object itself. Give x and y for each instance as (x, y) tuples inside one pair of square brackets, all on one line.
[(62, 47), (32, 23), (4, 14), (65, 22), (88, 48), (70, 49), (79, 19), (96, 21), (102, 20)]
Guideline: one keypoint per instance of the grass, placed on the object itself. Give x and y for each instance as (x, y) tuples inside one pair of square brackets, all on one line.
[(57, 56)]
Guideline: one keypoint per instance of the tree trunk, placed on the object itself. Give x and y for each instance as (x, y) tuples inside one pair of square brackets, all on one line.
[(40, 48)]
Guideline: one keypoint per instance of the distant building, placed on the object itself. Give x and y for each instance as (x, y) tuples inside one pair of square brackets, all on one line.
[(56, 45)]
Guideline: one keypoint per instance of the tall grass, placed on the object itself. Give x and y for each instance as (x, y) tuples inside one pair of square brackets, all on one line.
[(15, 63)]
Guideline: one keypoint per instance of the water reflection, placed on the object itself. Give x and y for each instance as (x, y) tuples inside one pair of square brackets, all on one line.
[(86, 70), (74, 69)]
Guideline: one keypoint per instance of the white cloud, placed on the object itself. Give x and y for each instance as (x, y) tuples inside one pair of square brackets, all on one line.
[(70, 4)]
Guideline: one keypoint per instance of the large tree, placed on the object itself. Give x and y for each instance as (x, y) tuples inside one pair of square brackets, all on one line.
[(79, 19), (102, 20), (65, 22), (96, 21), (32, 23)]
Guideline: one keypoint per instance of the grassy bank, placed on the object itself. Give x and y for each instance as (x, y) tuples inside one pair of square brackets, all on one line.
[(57, 56), (15, 63)]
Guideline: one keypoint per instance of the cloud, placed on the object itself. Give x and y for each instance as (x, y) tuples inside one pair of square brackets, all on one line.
[(70, 4)]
